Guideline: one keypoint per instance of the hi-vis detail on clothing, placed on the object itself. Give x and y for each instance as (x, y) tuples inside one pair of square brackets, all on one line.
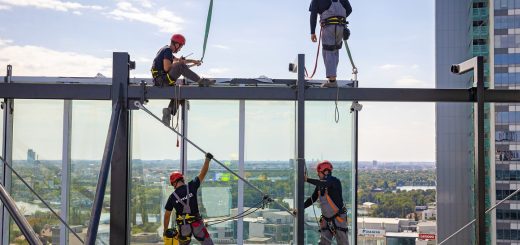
[(333, 222)]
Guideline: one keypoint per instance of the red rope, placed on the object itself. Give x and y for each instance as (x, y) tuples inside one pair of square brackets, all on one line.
[(316, 61)]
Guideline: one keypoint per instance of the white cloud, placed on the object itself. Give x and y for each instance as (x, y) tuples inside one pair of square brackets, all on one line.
[(166, 21), (220, 46), (145, 3), (4, 42), (410, 82), (50, 4), (390, 66), (48, 62)]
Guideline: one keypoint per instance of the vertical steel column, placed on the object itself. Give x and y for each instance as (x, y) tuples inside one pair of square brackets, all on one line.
[(7, 153), (65, 170), (97, 206), (355, 141), (241, 144), (299, 229), (121, 169), (480, 171), (184, 131)]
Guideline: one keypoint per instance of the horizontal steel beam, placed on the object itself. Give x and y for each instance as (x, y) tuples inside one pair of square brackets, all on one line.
[(278, 92), (392, 94), (55, 91)]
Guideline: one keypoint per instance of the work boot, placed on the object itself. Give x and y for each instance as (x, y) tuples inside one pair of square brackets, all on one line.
[(330, 84), (204, 82), (166, 116)]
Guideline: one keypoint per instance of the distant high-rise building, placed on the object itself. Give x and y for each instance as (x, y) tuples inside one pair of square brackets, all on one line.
[(465, 29), (374, 164), (31, 155)]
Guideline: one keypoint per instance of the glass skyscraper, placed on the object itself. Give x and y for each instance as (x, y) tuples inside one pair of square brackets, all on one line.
[(465, 29)]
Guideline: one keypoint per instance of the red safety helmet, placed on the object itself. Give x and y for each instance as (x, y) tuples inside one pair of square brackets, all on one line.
[(175, 176), (178, 38), (325, 165)]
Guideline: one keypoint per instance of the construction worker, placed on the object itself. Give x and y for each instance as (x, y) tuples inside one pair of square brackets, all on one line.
[(167, 68), (184, 200), (333, 221), (333, 21)]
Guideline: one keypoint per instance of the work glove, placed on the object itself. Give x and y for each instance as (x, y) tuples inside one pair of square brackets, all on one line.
[(170, 233), (209, 156)]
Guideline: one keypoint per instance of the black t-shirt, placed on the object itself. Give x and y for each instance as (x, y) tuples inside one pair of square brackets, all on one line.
[(181, 192), (164, 53), (332, 184)]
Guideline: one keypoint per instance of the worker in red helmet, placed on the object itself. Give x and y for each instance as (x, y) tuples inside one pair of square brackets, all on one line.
[(184, 200), (167, 68), (333, 221)]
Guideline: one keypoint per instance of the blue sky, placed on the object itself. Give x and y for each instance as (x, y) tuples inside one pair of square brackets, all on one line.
[(392, 43)]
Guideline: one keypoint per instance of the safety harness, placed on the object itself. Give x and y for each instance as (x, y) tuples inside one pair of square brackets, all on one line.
[(159, 76), (330, 212), (189, 224), (337, 21), (334, 20)]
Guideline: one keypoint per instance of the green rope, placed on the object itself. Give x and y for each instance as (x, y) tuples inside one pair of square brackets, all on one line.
[(208, 25), (350, 56)]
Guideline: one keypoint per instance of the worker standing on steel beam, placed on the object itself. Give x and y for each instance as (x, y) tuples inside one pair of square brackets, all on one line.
[(333, 221), (333, 21), (184, 200), (167, 68)]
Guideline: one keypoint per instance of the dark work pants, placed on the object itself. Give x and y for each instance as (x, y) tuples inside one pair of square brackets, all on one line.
[(177, 70)]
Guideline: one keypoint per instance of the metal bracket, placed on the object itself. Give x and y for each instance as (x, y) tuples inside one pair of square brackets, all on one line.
[(142, 99)]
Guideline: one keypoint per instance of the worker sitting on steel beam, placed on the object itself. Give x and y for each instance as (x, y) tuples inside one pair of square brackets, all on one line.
[(333, 221), (333, 21), (184, 200), (166, 69)]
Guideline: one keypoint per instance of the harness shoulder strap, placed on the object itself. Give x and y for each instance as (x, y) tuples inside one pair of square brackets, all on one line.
[(184, 204)]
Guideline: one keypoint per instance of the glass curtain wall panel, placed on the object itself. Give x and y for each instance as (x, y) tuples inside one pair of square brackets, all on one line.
[(90, 122), (155, 154), (507, 169), (326, 139), (269, 150), (214, 127), (37, 154)]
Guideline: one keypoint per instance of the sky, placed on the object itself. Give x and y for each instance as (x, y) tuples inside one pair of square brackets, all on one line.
[(392, 43)]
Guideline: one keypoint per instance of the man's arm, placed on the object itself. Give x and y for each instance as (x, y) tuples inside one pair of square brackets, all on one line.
[(347, 6), (205, 167), (311, 199), (314, 16), (166, 223), (167, 65), (321, 183)]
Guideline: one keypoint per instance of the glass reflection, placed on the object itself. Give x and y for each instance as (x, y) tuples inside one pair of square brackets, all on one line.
[(90, 122), (155, 154), (37, 157), (213, 126), (326, 139)]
